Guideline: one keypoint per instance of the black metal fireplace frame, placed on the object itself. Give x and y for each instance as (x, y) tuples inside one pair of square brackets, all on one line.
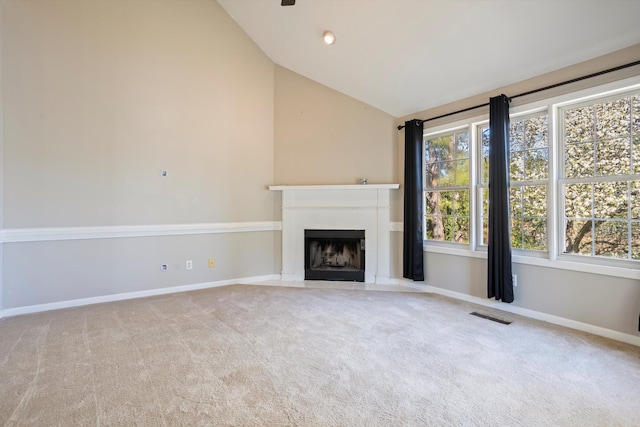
[(334, 274)]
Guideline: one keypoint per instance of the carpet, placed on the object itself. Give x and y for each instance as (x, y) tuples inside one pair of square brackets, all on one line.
[(272, 356)]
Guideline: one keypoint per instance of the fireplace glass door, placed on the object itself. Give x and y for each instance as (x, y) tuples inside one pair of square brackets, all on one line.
[(334, 255)]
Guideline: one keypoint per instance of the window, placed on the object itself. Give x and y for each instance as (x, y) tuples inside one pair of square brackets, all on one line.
[(574, 170), (528, 175), (446, 185), (600, 183)]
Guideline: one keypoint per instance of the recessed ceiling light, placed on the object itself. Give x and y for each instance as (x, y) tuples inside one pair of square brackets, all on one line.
[(328, 37)]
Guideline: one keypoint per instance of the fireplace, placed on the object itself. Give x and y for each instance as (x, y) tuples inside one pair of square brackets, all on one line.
[(334, 255), (341, 207)]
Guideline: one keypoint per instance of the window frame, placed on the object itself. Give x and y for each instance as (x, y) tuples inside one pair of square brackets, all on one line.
[(562, 182), (481, 185), (451, 129), (553, 258)]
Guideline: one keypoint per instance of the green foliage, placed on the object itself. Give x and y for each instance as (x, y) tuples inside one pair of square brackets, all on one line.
[(601, 195), (447, 183)]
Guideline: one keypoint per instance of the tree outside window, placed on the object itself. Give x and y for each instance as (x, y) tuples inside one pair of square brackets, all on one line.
[(601, 185), (447, 187), (528, 175)]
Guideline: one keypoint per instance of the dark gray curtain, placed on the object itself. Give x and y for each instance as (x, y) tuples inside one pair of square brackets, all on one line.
[(413, 267), (500, 282)]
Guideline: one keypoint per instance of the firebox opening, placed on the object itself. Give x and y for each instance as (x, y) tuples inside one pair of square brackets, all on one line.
[(334, 255)]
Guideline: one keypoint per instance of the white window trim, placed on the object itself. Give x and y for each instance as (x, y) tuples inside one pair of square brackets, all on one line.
[(554, 257)]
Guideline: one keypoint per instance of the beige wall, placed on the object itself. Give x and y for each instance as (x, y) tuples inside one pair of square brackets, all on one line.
[(97, 98), (325, 137), (600, 300), (100, 96), (614, 59)]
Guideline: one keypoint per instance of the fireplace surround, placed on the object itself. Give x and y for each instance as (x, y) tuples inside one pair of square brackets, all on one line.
[(337, 207)]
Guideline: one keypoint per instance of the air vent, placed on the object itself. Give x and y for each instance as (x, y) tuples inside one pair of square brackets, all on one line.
[(494, 319)]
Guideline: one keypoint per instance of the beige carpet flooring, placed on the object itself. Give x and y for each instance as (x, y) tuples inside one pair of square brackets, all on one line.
[(274, 356)]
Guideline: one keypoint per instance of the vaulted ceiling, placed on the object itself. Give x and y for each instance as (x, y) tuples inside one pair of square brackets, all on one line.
[(405, 56)]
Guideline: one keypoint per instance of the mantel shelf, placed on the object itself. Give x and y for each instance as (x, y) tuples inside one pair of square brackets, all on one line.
[(334, 187)]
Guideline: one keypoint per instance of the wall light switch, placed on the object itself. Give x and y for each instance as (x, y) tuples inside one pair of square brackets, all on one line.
[(212, 262)]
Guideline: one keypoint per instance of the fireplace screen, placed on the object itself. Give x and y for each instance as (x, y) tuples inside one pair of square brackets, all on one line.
[(334, 255)]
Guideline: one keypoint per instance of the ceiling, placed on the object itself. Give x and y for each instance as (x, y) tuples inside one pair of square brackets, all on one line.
[(405, 56)]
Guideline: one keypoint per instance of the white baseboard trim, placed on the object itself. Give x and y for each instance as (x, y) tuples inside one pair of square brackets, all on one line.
[(19, 235), (130, 295), (556, 320)]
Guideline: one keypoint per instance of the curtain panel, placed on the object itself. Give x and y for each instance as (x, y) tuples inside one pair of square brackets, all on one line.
[(413, 255), (500, 281)]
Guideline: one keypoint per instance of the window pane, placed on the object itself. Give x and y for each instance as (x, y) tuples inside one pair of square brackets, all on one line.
[(516, 136), (536, 132), (461, 230), (432, 206), (442, 147), (446, 202), (578, 124), (485, 202), (462, 172), (578, 238), (613, 156), (484, 166), (635, 199), (447, 165), (613, 118), (516, 233), (610, 200), (516, 166), (432, 175), (635, 240), (462, 145), (461, 202), (431, 227), (485, 231), (446, 174), (435, 228), (534, 201), (636, 153), (578, 160), (485, 170), (447, 223), (536, 164), (535, 234), (611, 239), (636, 114), (578, 200), (515, 201)]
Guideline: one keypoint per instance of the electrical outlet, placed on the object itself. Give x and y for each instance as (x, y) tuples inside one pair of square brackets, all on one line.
[(189, 264), (164, 267), (515, 280), (212, 262)]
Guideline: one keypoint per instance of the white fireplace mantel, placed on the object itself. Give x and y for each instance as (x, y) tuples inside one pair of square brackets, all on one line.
[(333, 187), (341, 207)]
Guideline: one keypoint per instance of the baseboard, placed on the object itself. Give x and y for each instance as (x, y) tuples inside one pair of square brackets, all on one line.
[(129, 295), (556, 320)]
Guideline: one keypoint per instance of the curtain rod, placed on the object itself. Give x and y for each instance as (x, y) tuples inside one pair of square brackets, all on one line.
[(566, 82)]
